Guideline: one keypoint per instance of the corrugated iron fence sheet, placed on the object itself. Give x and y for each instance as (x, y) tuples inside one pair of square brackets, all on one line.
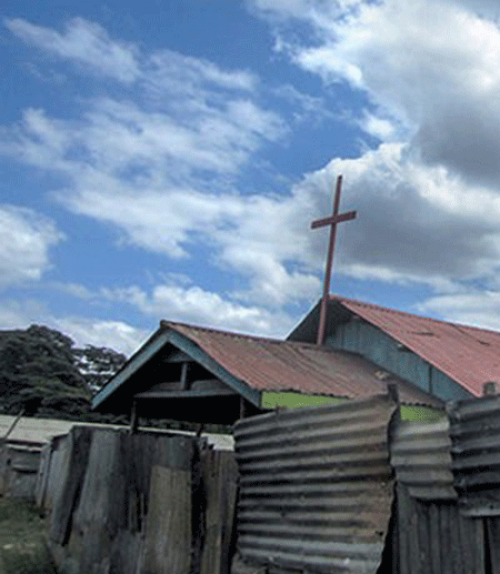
[(316, 487), (430, 535), (475, 435), (421, 457)]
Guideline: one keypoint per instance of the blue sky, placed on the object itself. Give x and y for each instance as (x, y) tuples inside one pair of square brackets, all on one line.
[(164, 160)]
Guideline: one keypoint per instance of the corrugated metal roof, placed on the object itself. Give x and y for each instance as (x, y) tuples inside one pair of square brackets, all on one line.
[(274, 365), (475, 435), (316, 487), (421, 457), (468, 355)]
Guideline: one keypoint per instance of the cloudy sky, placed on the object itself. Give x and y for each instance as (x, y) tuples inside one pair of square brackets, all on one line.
[(166, 159)]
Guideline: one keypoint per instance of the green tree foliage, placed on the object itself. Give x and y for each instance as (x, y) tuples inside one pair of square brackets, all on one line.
[(42, 373)]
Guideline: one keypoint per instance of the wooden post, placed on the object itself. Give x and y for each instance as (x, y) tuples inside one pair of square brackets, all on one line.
[(134, 419), (184, 378), (14, 423)]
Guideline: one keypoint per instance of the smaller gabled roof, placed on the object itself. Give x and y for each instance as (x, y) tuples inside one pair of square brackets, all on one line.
[(262, 364), (468, 355)]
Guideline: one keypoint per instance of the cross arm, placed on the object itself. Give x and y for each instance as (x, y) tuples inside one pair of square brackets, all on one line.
[(347, 216)]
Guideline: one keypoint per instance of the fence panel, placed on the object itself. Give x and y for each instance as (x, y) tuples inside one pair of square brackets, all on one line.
[(475, 435), (421, 457), (436, 538), (316, 487)]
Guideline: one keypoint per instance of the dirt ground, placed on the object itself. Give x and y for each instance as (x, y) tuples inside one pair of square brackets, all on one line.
[(22, 539)]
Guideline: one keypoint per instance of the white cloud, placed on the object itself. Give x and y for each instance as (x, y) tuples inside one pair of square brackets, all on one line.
[(428, 198), (160, 170), (419, 223), (444, 87), (307, 107), (83, 42), (282, 8), (20, 314), (194, 305), (477, 308), (485, 8), (199, 131), (25, 241), (279, 10), (383, 128), (116, 335), (171, 71)]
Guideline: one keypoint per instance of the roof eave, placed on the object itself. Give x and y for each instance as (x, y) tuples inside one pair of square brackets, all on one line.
[(161, 338)]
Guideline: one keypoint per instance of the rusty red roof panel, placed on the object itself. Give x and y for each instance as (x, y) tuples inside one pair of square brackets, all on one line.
[(278, 366), (468, 355)]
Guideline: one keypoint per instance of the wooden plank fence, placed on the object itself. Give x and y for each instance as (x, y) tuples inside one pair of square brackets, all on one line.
[(123, 503), (337, 489)]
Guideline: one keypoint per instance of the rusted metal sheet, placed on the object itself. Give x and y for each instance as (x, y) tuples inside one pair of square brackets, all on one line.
[(273, 365), (316, 487), (421, 457), (434, 537), (468, 355), (475, 434)]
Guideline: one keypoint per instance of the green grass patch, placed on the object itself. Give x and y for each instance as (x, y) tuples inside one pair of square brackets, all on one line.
[(23, 548)]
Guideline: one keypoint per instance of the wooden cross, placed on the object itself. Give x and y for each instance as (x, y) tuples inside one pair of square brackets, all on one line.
[(332, 221)]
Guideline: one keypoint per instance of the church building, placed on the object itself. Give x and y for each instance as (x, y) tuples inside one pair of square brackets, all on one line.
[(195, 374), (343, 349)]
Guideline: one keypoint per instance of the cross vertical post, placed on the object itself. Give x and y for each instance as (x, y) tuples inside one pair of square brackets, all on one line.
[(332, 221)]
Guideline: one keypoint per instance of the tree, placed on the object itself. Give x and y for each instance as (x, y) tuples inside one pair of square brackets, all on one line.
[(43, 374)]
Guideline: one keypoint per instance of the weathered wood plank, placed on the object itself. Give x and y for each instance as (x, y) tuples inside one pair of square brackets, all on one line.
[(73, 471), (493, 526), (220, 477), (167, 547), (403, 506), (434, 539)]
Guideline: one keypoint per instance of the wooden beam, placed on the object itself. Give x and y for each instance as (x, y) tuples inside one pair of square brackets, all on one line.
[(176, 356), (134, 418), (197, 385), (184, 394), (208, 385)]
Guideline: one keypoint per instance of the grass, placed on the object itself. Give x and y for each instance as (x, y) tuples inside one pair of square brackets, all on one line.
[(23, 548)]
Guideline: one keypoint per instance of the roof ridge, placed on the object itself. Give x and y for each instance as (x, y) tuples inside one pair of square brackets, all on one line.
[(408, 313), (164, 323), (299, 344)]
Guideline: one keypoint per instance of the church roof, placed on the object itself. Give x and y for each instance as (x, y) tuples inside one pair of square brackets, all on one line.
[(468, 355), (250, 365), (276, 365)]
